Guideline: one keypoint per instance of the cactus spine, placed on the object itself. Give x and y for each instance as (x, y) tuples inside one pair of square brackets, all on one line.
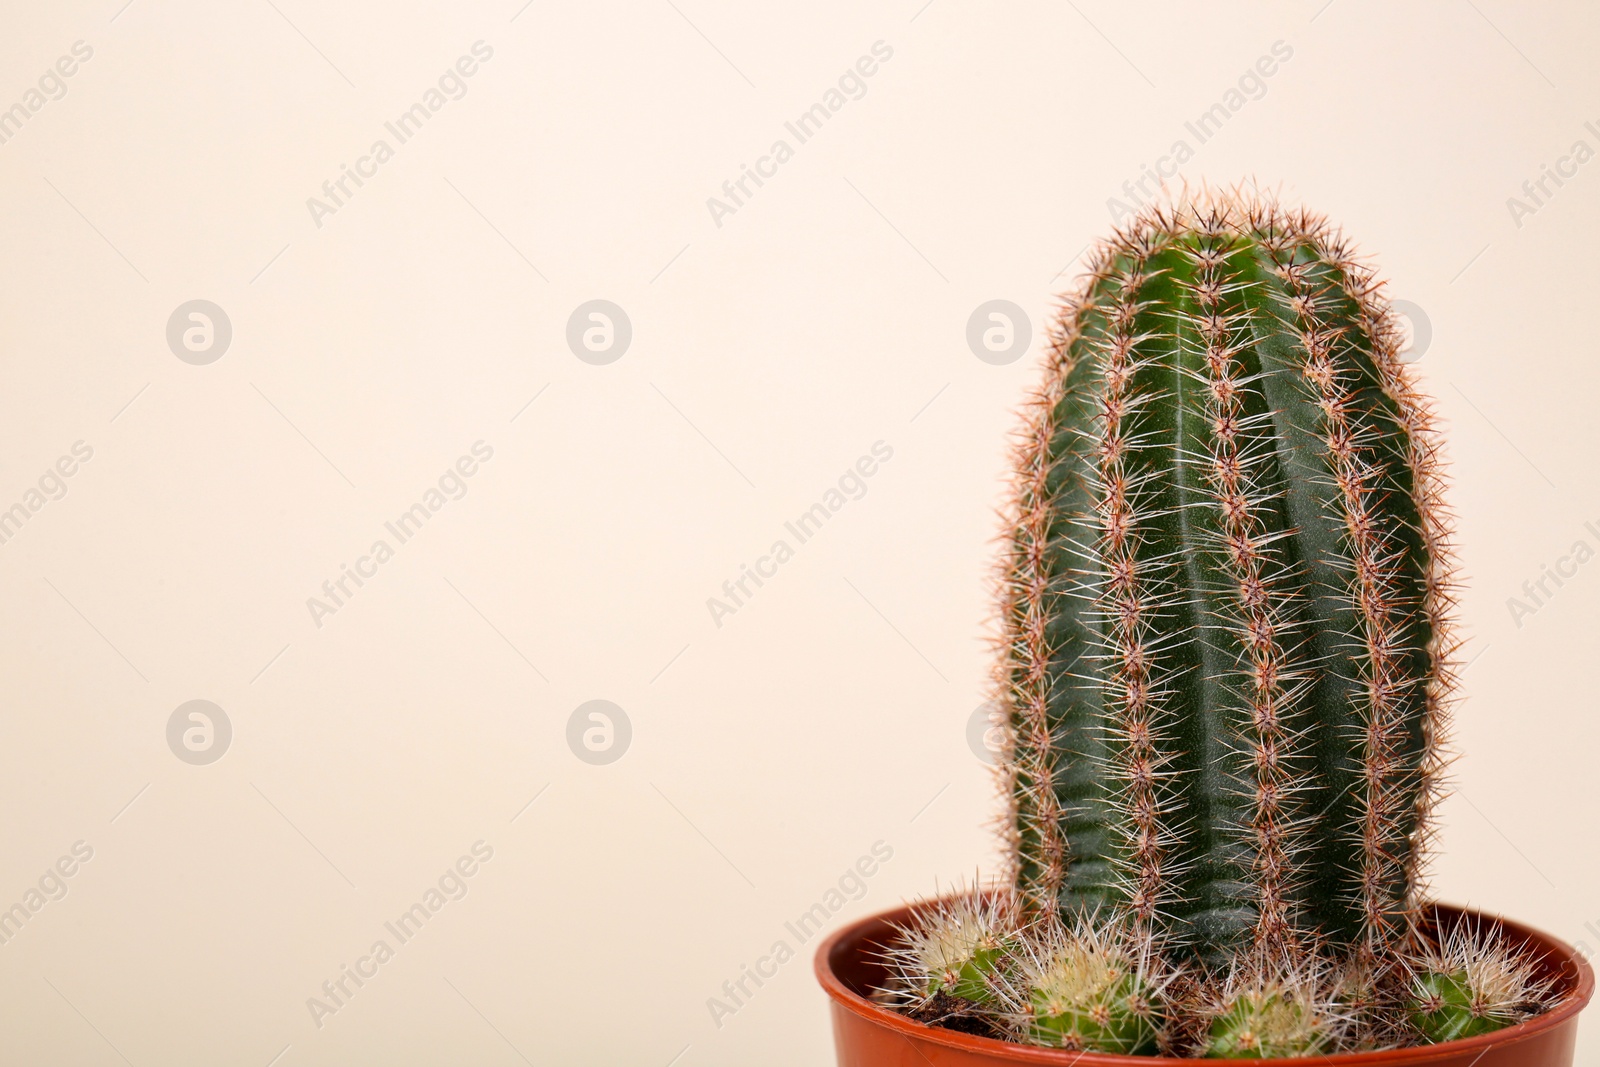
[(1225, 598)]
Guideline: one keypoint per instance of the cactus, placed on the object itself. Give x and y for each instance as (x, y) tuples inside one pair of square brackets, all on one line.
[(1266, 1016), (1472, 983), (1225, 604), (1225, 601), (946, 963), (1090, 988), (1225, 671)]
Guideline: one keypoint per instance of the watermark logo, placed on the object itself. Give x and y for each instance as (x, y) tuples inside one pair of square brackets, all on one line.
[(851, 885), (1538, 191), (998, 332), (52, 886), (852, 85), (199, 732), (599, 732), (1418, 329), (1539, 591), (337, 592), (1251, 85), (599, 332), (1583, 946), (338, 991), (985, 736), (52, 85), (737, 591), (199, 332), (52, 485), (337, 192)]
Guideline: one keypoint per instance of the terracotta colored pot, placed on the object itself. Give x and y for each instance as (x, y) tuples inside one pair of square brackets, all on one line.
[(867, 1035)]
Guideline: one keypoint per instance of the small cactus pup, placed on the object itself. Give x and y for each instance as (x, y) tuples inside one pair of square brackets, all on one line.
[(946, 965), (1087, 989), (1263, 1016), (1473, 983)]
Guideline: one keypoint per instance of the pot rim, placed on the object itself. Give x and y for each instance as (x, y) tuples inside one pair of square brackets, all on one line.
[(1576, 999)]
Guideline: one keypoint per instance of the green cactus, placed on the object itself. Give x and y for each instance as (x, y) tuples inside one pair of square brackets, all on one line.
[(1473, 983), (1225, 607), (1087, 989), (1262, 1015), (947, 961), (1226, 645), (1225, 669), (1446, 1007)]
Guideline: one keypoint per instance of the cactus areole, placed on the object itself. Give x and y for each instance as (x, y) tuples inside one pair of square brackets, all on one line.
[(1225, 596)]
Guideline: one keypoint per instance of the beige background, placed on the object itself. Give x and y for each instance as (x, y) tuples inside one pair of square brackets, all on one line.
[(768, 354)]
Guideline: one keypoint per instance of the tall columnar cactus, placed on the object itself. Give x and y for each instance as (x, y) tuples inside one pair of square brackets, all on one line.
[(1226, 598), (1225, 673)]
